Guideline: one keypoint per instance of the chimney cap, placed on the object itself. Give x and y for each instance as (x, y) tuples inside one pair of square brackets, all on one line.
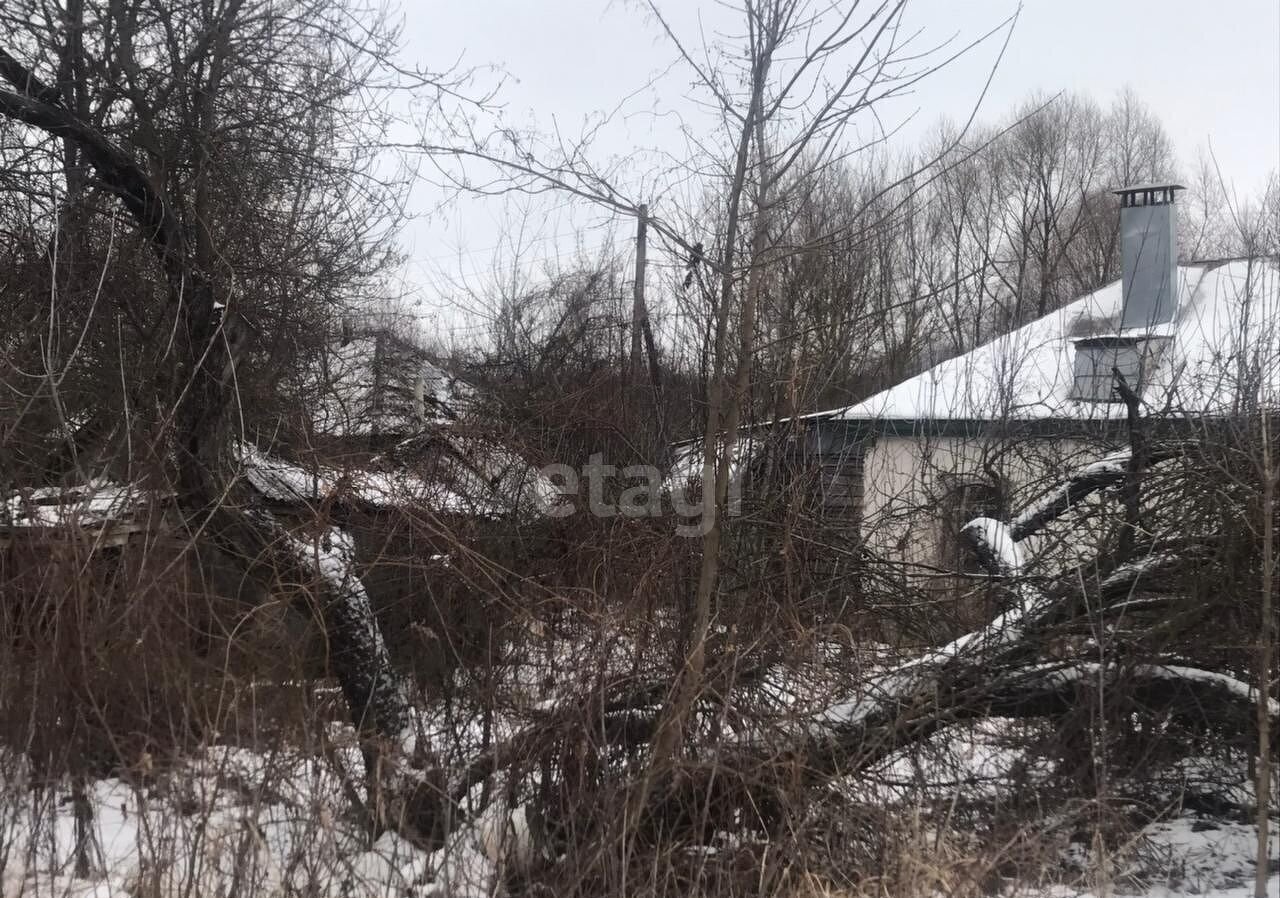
[(1147, 194)]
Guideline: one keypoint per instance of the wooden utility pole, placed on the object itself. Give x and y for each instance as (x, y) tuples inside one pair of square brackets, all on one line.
[(639, 314), (642, 330)]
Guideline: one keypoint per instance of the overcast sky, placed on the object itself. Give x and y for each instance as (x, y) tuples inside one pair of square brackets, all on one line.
[(1210, 71)]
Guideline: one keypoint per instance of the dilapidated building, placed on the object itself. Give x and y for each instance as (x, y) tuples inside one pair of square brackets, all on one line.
[(1168, 346)]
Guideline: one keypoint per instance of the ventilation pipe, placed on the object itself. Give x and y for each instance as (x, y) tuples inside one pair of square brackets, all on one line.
[(1148, 254), (1149, 285)]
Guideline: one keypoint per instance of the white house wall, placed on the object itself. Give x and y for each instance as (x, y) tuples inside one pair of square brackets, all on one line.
[(906, 478)]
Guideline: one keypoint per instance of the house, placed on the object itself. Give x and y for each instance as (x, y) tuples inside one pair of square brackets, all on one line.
[(373, 386), (386, 421), (383, 455), (384, 429), (986, 430)]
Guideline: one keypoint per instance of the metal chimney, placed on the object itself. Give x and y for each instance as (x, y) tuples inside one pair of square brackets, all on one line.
[(1148, 254)]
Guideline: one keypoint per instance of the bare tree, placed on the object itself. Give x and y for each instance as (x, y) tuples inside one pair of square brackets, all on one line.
[(241, 140), (786, 98)]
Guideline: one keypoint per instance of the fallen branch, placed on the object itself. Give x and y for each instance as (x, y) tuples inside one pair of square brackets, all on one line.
[(996, 670), (1102, 474)]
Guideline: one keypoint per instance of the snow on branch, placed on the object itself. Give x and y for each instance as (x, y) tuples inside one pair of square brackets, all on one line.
[(997, 550), (368, 679), (1099, 475), (1192, 680), (988, 645), (997, 542)]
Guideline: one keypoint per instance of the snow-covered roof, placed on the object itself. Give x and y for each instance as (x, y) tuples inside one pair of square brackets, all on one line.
[(685, 466), (365, 385), (1224, 351), (92, 505), (465, 477), (472, 478)]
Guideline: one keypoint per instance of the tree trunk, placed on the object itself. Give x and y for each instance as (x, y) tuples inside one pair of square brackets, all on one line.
[(1266, 645), (205, 487)]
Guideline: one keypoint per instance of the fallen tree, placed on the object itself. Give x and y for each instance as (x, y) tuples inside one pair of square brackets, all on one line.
[(1000, 670)]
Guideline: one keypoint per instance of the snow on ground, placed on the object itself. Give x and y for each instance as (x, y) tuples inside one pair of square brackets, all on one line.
[(233, 822), (1185, 856), (1198, 856), (1187, 853), (229, 820)]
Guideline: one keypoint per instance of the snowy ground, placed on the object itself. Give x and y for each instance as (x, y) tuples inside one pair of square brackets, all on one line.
[(235, 822), (1186, 856), (231, 821)]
